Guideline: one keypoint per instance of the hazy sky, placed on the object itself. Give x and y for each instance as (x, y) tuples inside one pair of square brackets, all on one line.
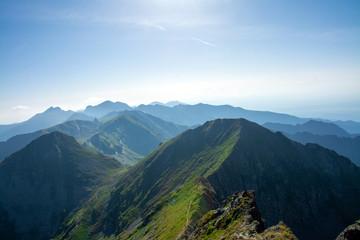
[(298, 57)]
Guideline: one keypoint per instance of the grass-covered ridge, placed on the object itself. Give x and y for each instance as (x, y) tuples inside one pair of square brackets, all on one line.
[(172, 170)]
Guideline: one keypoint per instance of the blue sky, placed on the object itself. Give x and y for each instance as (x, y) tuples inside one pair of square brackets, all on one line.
[(297, 57)]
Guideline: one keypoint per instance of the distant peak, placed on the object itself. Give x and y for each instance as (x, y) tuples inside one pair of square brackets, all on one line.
[(52, 109), (106, 103), (156, 103)]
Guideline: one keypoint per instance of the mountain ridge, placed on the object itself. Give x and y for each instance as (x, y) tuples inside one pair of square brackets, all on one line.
[(302, 185), (311, 126)]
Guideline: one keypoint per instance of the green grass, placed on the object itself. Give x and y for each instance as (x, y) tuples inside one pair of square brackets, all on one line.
[(180, 209), (79, 226)]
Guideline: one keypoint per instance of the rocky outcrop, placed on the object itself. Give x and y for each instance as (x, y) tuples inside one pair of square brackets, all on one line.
[(350, 233), (238, 218)]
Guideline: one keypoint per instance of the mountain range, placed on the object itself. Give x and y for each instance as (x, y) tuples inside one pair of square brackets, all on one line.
[(326, 134), (314, 127), (191, 115), (197, 183), (313, 190), (117, 137), (175, 112)]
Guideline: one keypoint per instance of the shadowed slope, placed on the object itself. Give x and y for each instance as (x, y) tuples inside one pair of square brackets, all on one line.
[(43, 182)]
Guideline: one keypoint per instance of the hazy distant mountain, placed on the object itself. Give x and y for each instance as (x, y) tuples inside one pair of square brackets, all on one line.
[(325, 134), (350, 126), (314, 190), (190, 115), (312, 126), (106, 107), (92, 130), (79, 129), (168, 104), (80, 116), (6, 127), (166, 129), (346, 146), (45, 181), (50, 117), (126, 138)]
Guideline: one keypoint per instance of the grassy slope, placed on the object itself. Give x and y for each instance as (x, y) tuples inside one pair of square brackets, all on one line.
[(79, 224), (148, 196)]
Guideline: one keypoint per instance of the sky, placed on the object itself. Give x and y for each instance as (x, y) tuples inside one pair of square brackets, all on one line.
[(295, 57)]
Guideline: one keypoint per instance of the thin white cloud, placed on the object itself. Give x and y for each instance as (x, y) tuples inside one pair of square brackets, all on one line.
[(155, 25), (20, 108), (203, 42)]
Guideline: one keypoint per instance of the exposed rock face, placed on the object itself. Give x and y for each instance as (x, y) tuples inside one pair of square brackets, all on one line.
[(350, 233), (41, 183), (239, 218)]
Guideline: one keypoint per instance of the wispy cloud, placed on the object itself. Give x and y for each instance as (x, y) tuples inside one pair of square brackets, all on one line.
[(203, 42), (143, 22), (154, 24)]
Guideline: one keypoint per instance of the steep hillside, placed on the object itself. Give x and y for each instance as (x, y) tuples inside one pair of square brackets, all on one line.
[(312, 189), (46, 180)]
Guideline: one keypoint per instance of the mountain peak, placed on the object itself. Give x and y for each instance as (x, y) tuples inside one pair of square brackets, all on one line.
[(106, 107), (53, 109), (49, 178)]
